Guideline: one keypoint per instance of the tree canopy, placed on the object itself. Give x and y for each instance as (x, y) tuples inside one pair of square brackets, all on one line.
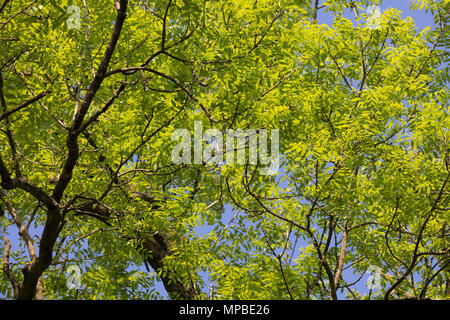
[(92, 91)]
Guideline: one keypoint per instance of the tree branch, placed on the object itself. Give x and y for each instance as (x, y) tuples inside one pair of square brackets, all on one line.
[(3, 5), (428, 281), (16, 14), (105, 108), (341, 255), (23, 231), (418, 241), (163, 35), (22, 105), (72, 142)]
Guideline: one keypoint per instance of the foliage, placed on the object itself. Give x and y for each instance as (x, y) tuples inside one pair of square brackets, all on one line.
[(85, 150)]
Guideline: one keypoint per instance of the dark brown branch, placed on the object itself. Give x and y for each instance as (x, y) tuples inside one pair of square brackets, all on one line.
[(20, 75), (3, 5), (30, 287), (105, 108), (186, 36), (341, 72), (442, 32), (32, 272), (23, 231), (156, 248), (163, 34), (366, 74), (22, 183), (39, 294), (257, 43), (322, 255), (315, 9), (15, 157), (284, 277), (266, 209), (418, 241), (428, 281), (16, 14), (7, 130), (7, 113), (397, 203), (131, 70), (280, 264)]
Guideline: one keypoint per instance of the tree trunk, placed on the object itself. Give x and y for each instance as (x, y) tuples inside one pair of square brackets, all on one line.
[(156, 248)]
